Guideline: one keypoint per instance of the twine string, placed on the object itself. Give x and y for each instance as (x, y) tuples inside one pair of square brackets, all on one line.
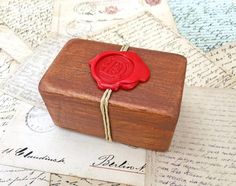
[(124, 47), (104, 103), (108, 127), (102, 108)]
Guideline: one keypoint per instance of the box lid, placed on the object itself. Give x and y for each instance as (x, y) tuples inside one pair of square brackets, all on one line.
[(69, 75)]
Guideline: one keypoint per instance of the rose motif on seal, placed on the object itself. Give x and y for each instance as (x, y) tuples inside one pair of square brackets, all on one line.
[(114, 70)]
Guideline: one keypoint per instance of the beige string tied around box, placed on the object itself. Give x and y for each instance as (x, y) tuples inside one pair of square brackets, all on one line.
[(104, 107)]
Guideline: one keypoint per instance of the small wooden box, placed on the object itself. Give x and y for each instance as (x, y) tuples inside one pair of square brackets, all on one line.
[(145, 116)]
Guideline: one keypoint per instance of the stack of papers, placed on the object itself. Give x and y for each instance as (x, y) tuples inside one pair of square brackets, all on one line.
[(33, 151)]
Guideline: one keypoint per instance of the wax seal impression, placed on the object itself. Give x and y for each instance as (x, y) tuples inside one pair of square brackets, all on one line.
[(121, 69)]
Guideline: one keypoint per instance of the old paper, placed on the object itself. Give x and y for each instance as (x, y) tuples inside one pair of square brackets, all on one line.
[(8, 110), (146, 31), (161, 10), (24, 83), (38, 144), (203, 150), (225, 56), (12, 45), (12, 176), (207, 25), (143, 31), (63, 180), (30, 20), (81, 18), (7, 65)]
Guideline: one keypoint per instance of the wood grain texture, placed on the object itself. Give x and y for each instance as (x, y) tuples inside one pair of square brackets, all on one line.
[(143, 117)]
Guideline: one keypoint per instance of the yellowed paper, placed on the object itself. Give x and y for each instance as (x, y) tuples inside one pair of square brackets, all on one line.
[(82, 18)]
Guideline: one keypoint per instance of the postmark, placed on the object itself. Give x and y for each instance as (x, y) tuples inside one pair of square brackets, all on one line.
[(38, 120)]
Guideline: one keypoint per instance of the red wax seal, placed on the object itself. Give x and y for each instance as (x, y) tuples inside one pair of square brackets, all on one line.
[(114, 70)]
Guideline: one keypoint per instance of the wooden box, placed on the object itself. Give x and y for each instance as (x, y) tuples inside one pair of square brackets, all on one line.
[(145, 116)]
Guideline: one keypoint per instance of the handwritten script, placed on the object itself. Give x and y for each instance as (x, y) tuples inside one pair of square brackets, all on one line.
[(203, 151), (27, 153), (209, 25), (109, 162), (12, 176)]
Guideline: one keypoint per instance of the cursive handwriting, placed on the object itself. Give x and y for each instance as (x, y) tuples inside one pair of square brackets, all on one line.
[(13, 176), (64, 180), (24, 83), (28, 178), (29, 154), (203, 150), (8, 111), (30, 21), (208, 26), (7, 64), (109, 161), (225, 57), (146, 31)]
